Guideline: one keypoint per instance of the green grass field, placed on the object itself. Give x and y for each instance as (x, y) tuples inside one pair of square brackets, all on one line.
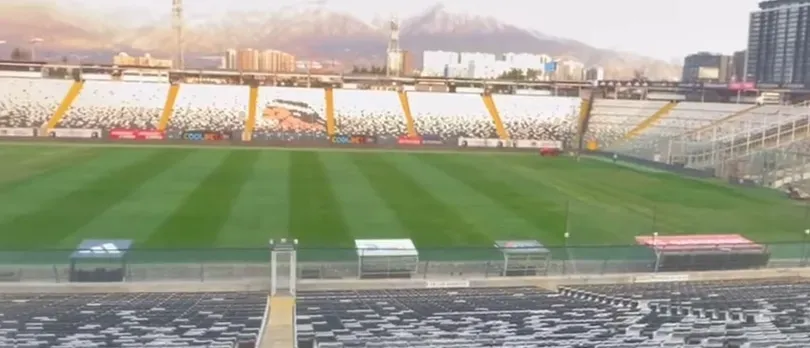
[(183, 200)]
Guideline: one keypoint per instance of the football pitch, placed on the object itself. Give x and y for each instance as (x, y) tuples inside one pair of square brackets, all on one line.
[(189, 200)]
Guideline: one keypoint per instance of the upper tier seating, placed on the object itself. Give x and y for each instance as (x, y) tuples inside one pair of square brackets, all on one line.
[(288, 113), (219, 108), (371, 113), (30, 102), (451, 116), (539, 118), (113, 104), (130, 320)]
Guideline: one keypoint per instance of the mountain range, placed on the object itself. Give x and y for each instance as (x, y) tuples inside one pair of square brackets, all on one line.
[(311, 32)]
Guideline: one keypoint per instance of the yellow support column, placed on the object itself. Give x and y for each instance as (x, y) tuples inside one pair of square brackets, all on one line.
[(63, 108), (584, 113), (330, 111), (650, 121), (168, 107), (406, 109), (496, 117), (250, 121)]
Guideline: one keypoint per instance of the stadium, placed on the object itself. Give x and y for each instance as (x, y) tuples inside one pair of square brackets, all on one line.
[(176, 209)]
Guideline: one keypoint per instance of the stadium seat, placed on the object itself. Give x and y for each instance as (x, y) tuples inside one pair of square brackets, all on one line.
[(451, 116), (539, 118), (131, 319), (113, 104), (28, 103), (721, 314)]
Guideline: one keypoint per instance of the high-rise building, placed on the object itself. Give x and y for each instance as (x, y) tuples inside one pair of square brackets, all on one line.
[(595, 73), (707, 67), (247, 60), (738, 61), (230, 60), (276, 61), (123, 59), (779, 43)]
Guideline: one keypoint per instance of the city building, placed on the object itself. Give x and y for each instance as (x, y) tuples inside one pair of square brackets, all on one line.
[(479, 65), (779, 43), (434, 63), (229, 60), (596, 73), (247, 60), (738, 61), (250, 59), (124, 59), (276, 61), (707, 67)]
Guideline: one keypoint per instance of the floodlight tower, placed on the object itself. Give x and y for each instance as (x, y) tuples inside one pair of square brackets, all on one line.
[(394, 53), (177, 25)]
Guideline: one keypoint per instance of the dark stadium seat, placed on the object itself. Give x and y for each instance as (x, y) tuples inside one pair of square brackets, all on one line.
[(131, 320), (723, 314)]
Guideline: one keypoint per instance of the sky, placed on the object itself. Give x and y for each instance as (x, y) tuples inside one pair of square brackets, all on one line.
[(665, 29)]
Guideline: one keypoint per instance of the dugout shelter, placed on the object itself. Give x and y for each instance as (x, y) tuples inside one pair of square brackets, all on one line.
[(386, 258), (714, 252), (523, 257), (99, 260)]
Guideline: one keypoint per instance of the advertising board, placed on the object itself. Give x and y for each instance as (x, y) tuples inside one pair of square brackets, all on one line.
[(352, 139), (74, 133), (409, 140), (430, 139), (18, 132), (137, 134), (204, 136), (538, 144), (488, 142)]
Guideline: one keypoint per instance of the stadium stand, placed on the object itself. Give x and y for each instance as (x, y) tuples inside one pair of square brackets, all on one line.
[(290, 113), (711, 314), (217, 319), (30, 102), (111, 104), (208, 107), (370, 113), (539, 118), (611, 119), (451, 116)]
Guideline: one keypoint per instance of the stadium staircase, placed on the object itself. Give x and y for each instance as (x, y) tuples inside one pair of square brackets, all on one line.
[(650, 121), (496, 116), (250, 121), (585, 108), (722, 120), (168, 107), (330, 111), (279, 331), (63, 108), (406, 109)]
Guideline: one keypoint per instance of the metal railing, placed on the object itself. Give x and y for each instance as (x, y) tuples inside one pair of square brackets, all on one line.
[(203, 265)]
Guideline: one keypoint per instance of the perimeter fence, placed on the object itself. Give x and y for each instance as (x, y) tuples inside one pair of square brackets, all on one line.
[(203, 265)]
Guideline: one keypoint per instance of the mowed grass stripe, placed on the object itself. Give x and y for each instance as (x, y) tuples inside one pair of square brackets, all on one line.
[(137, 216), (261, 210), (315, 217), (430, 222), (366, 212), (540, 214), (20, 166), (57, 219), (196, 223)]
